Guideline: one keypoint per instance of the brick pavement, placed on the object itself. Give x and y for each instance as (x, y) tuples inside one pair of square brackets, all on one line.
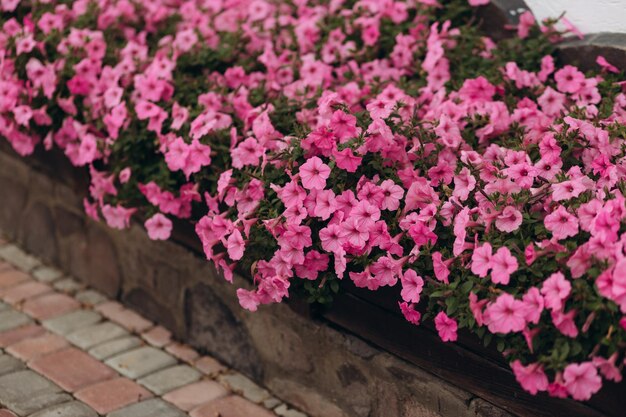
[(68, 351)]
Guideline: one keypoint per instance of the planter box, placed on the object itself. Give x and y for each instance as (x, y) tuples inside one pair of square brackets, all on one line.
[(359, 357)]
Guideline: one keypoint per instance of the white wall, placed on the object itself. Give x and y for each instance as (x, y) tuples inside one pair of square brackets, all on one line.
[(589, 16)]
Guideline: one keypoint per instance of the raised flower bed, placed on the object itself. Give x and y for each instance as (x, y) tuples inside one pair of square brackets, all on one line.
[(393, 160)]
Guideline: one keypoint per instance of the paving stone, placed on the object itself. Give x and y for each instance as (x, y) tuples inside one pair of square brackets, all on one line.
[(166, 380), (209, 366), (271, 403), (12, 277), (25, 392), (284, 411), (90, 297), (34, 347), (69, 409), (231, 406), (24, 291), (13, 336), (68, 286), (72, 369), (70, 322), (126, 318), (4, 306), (9, 364), (88, 337), (113, 347), (16, 256), (193, 395), (183, 352), (150, 408), (10, 319), (140, 362), (47, 274), (50, 305), (6, 413), (110, 395), (244, 386), (157, 336)]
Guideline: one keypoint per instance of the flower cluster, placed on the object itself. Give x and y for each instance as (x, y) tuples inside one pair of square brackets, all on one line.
[(388, 143)]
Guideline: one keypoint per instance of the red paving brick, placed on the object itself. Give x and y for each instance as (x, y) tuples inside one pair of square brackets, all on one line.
[(24, 291), (231, 406), (126, 318), (182, 352), (72, 369), (196, 394), (6, 413), (13, 336), (110, 395), (158, 336), (209, 366), (50, 305), (12, 277), (34, 347)]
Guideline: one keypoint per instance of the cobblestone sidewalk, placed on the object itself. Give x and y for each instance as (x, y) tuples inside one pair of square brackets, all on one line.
[(67, 351)]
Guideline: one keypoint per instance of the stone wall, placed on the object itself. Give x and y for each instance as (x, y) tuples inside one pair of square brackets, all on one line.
[(319, 369)]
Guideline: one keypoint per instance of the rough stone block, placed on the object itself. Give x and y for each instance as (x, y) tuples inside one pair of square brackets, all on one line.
[(140, 362), (166, 380)]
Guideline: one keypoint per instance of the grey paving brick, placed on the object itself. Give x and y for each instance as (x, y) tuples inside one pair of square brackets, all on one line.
[(140, 362), (4, 306), (70, 409), (10, 319), (26, 392), (166, 380), (9, 364), (113, 347), (73, 321), (47, 274), (17, 257), (68, 285), (245, 386), (88, 337), (149, 408), (283, 411), (90, 297)]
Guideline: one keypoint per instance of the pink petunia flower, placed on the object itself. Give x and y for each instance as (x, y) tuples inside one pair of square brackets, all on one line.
[(561, 223), (505, 315), (531, 377), (314, 173), (555, 289), (503, 265), (481, 260), (581, 380), (509, 220), (446, 326), (159, 227), (412, 285)]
